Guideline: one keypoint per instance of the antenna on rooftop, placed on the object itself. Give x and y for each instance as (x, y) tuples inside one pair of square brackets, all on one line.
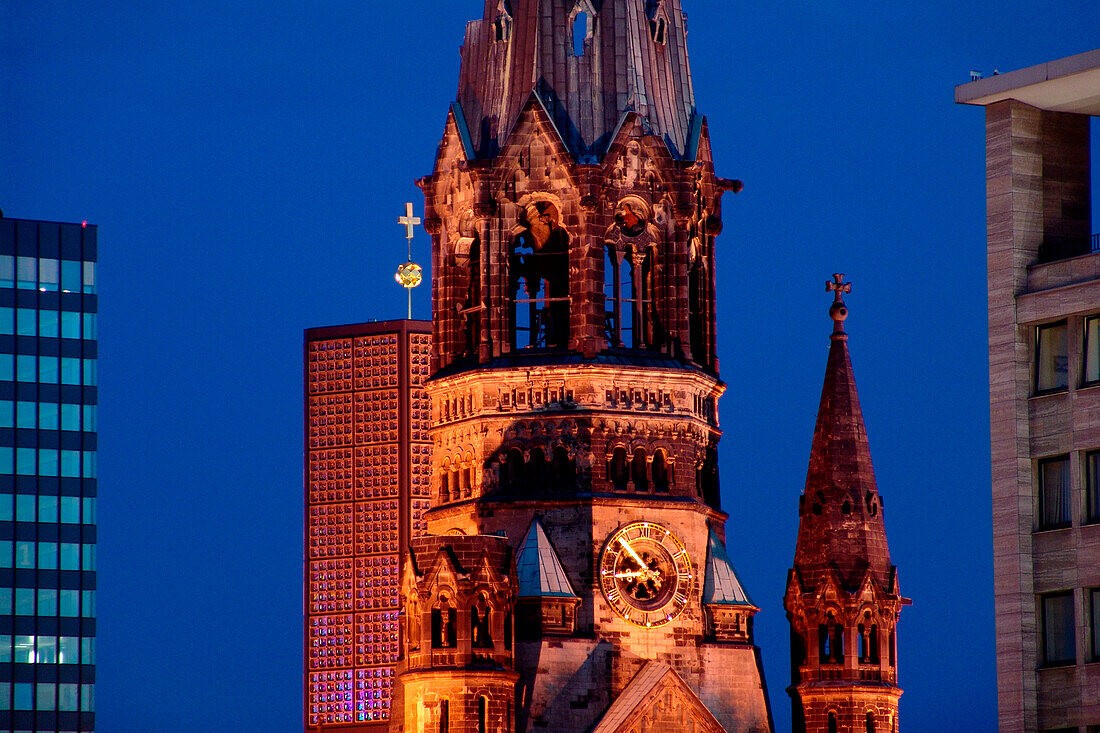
[(975, 75)]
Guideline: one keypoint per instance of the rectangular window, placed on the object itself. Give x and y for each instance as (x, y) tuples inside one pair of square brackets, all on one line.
[(48, 323), (70, 416), (25, 415), (26, 273), (7, 274), (87, 650), (47, 696), (26, 461), (70, 276), (7, 320), (1051, 358), (5, 604), (89, 464), (47, 461), (87, 698), (68, 650), (26, 368), (69, 604), (47, 369), (7, 459), (89, 326), (7, 507), (7, 414), (1054, 493), (1058, 629), (5, 648), (70, 506), (47, 556), (89, 418), (89, 277), (24, 691), (24, 649), (47, 602), (70, 464), (24, 507), (70, 325), (67, 697), (47, 650), (47, 508), (87, 608), (1092, 486), (26, 322), (49, 274), (70, 370), (1094, 604), (47, 416), (5, 553), (89, 558), (90, 375), (7, 367), (89, 510), (24, 555), (70, 556), (24, 602)]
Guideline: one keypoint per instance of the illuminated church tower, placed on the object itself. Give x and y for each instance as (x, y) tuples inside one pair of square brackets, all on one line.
[(842, 596), (579, 578)]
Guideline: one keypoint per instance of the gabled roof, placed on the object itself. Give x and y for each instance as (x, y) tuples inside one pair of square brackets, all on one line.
[(721, 584), (655, 686), (539, 569)]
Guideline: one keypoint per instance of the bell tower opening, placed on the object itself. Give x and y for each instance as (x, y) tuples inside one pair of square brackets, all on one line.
[(539, 265)]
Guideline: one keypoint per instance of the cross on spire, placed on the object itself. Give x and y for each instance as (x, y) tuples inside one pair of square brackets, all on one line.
[(838, 287), (408, 220)]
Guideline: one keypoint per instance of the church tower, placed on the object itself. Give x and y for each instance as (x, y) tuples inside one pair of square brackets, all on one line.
[(573, 212), (842, 596)]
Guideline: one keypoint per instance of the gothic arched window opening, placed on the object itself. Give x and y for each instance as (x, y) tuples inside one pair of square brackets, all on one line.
[(638, 471), (870, 723), (697, 293), (563, 470), (660, 470), (471, 309), (832, 722), (537, 470), (482, 713), (539, 272), (513, 470), (618, 471), (444, 482), (480, 635), (444, 716), (444, 627), (502, 28), (658, 29), (580, 32)]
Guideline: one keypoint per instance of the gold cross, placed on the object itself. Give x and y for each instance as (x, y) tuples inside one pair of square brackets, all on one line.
[(838, 287), (408, 220)]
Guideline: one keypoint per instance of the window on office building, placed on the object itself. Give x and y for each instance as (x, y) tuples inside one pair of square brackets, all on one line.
[(1054, 493), (1051, 358), (1058, 629), (1094, 611)]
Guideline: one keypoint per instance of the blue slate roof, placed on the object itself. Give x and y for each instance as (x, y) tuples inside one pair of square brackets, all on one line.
[(540, 572), (721, 584)]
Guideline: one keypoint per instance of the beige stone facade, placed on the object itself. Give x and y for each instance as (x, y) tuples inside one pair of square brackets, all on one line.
[(1044, 287)]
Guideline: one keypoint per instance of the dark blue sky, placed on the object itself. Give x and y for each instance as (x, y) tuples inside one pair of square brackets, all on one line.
[(245, 162)]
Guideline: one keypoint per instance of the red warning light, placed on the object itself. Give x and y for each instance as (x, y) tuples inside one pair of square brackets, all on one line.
[(84, 224)]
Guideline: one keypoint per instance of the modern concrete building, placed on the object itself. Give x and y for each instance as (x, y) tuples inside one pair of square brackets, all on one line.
[(367, 486), (1044, 373), (48, 399)]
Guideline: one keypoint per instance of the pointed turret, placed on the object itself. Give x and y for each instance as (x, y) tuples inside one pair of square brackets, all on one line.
[(842, 596), (841, 523)]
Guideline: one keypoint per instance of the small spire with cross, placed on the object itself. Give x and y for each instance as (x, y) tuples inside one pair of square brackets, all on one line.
[(838, 312), (409, 274)]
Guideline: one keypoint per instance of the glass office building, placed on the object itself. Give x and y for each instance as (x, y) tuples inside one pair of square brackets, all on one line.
[(47, 476)]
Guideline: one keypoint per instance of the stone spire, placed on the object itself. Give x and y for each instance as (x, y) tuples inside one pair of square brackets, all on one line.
[(841, 522), (588, 62), (842, 598)]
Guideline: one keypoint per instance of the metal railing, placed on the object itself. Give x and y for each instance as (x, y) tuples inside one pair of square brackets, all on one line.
[(1056, 248), (1095, 243)]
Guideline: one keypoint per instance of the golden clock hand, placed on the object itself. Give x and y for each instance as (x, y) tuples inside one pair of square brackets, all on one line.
[(636, 574), (630, 551)]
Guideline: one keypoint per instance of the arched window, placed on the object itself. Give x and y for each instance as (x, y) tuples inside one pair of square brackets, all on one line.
[(480, 634), (832, 722), (862, 642), (697, 293), (873, 642), (870, 723), (580, 32), (539, 272), (638, 471), (618, 286), (563, 470), (657, 29), (482, 714), (444, 622), (537, 469), (508, 631), (455, 486), (444, 483), (502, 28), (660, 471), (617, 470), (471, 310), (513, 470), (824, 644), (444, 716)]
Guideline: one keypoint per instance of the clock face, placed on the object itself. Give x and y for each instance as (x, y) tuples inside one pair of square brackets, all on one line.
[(646, 574)]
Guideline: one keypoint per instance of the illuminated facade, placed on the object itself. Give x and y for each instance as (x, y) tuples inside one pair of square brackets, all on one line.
[(367, 486), (47, 476)]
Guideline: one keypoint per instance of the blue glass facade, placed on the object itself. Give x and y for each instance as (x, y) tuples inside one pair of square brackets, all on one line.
[(48, 400)]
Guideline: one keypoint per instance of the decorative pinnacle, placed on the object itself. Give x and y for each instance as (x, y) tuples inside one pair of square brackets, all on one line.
[(838, 312), (409, 274)]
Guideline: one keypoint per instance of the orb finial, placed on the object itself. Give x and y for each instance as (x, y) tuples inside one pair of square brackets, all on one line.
[(409, 274), (838, 311)]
